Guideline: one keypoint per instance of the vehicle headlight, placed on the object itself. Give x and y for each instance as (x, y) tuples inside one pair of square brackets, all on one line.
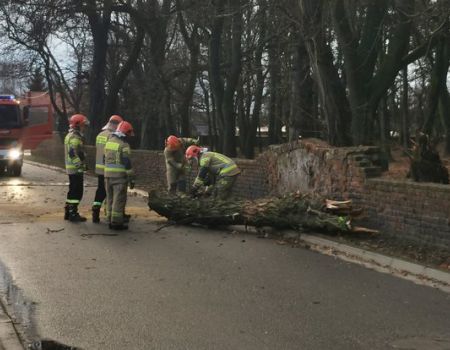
[(14, 154)]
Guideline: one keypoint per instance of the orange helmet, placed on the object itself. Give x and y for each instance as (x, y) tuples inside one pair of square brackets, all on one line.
[(193, 152), (115, 119), (173, 142), (126, 128), (78, 120)]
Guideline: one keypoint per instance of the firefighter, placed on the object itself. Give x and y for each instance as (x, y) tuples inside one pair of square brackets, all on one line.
[(214, 168), (176, 162), (118, 174), (100, 143), (75, 160)]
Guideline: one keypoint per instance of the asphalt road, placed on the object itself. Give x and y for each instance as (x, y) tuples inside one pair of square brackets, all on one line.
[(193, 288)]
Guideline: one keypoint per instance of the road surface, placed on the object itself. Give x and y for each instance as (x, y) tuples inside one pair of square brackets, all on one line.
[(193, 288)]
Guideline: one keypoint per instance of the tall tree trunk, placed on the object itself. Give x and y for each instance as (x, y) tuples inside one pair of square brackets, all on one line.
[(274, 68), (229, 140), (193, 44), (99, 25), (215, 77), (119, 78), (438, 83), (301, 122), (331, 92), (405, 110), (153, 130)]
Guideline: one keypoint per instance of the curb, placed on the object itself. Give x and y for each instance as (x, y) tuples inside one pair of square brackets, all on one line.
[(419, 274), (43, 165), (9, 339)]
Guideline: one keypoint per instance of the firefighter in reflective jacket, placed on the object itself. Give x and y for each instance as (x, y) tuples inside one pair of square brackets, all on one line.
[(100, 142), (176, 162), (216, 168), (118, 174), (75, 166)]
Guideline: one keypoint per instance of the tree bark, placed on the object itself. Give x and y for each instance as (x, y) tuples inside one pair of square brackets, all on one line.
[(111, 104), (100, 25), (294, 211), (331, 92)]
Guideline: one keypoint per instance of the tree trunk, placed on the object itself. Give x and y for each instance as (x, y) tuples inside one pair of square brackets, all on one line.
[(229, 140), (294, 211), (275, 92), (405, 110), (301, 121), (215, 77), (100, 28), (438, 83), (193, 44), (331, 92), (119, 78)]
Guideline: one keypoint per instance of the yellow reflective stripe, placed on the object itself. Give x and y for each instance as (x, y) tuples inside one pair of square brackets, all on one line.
[(72, 201), (112, 146), (99, 166), (204, 160), (228, 169), (74, 141), (222, 158), (101, 140), (115, 170)]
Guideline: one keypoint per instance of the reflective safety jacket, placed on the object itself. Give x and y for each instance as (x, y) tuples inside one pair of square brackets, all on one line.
[(215, 164), (100, 143), (74, 153), (117, 158), (175, 159)]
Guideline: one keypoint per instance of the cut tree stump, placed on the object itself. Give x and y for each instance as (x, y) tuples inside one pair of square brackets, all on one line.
[(294, 211)]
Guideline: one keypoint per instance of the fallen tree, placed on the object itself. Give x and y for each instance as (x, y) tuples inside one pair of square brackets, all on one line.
[(294, 211)]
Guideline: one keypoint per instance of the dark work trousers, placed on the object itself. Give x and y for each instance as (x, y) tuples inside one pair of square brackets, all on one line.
[(75, 189), (100, 194)]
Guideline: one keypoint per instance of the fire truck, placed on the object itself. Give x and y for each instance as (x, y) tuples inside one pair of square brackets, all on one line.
[(21, 128)]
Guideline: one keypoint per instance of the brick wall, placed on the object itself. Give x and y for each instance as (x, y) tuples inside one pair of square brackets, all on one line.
[(414, 210), (150, 168), (419, 211)]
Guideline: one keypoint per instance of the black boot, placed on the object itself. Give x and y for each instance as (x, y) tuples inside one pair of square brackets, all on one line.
[(74, 216), (66, 212), (96, 214), (118, 227)]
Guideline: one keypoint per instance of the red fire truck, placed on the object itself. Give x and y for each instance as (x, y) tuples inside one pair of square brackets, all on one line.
[(21, 128)]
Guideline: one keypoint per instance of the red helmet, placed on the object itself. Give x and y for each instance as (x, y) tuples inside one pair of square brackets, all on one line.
[(125, 128), (193, 152), (78, 120), (115, 119), (173, 142)]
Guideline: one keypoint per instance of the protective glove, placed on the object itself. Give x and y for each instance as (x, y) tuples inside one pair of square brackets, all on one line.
[(131, 184)]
